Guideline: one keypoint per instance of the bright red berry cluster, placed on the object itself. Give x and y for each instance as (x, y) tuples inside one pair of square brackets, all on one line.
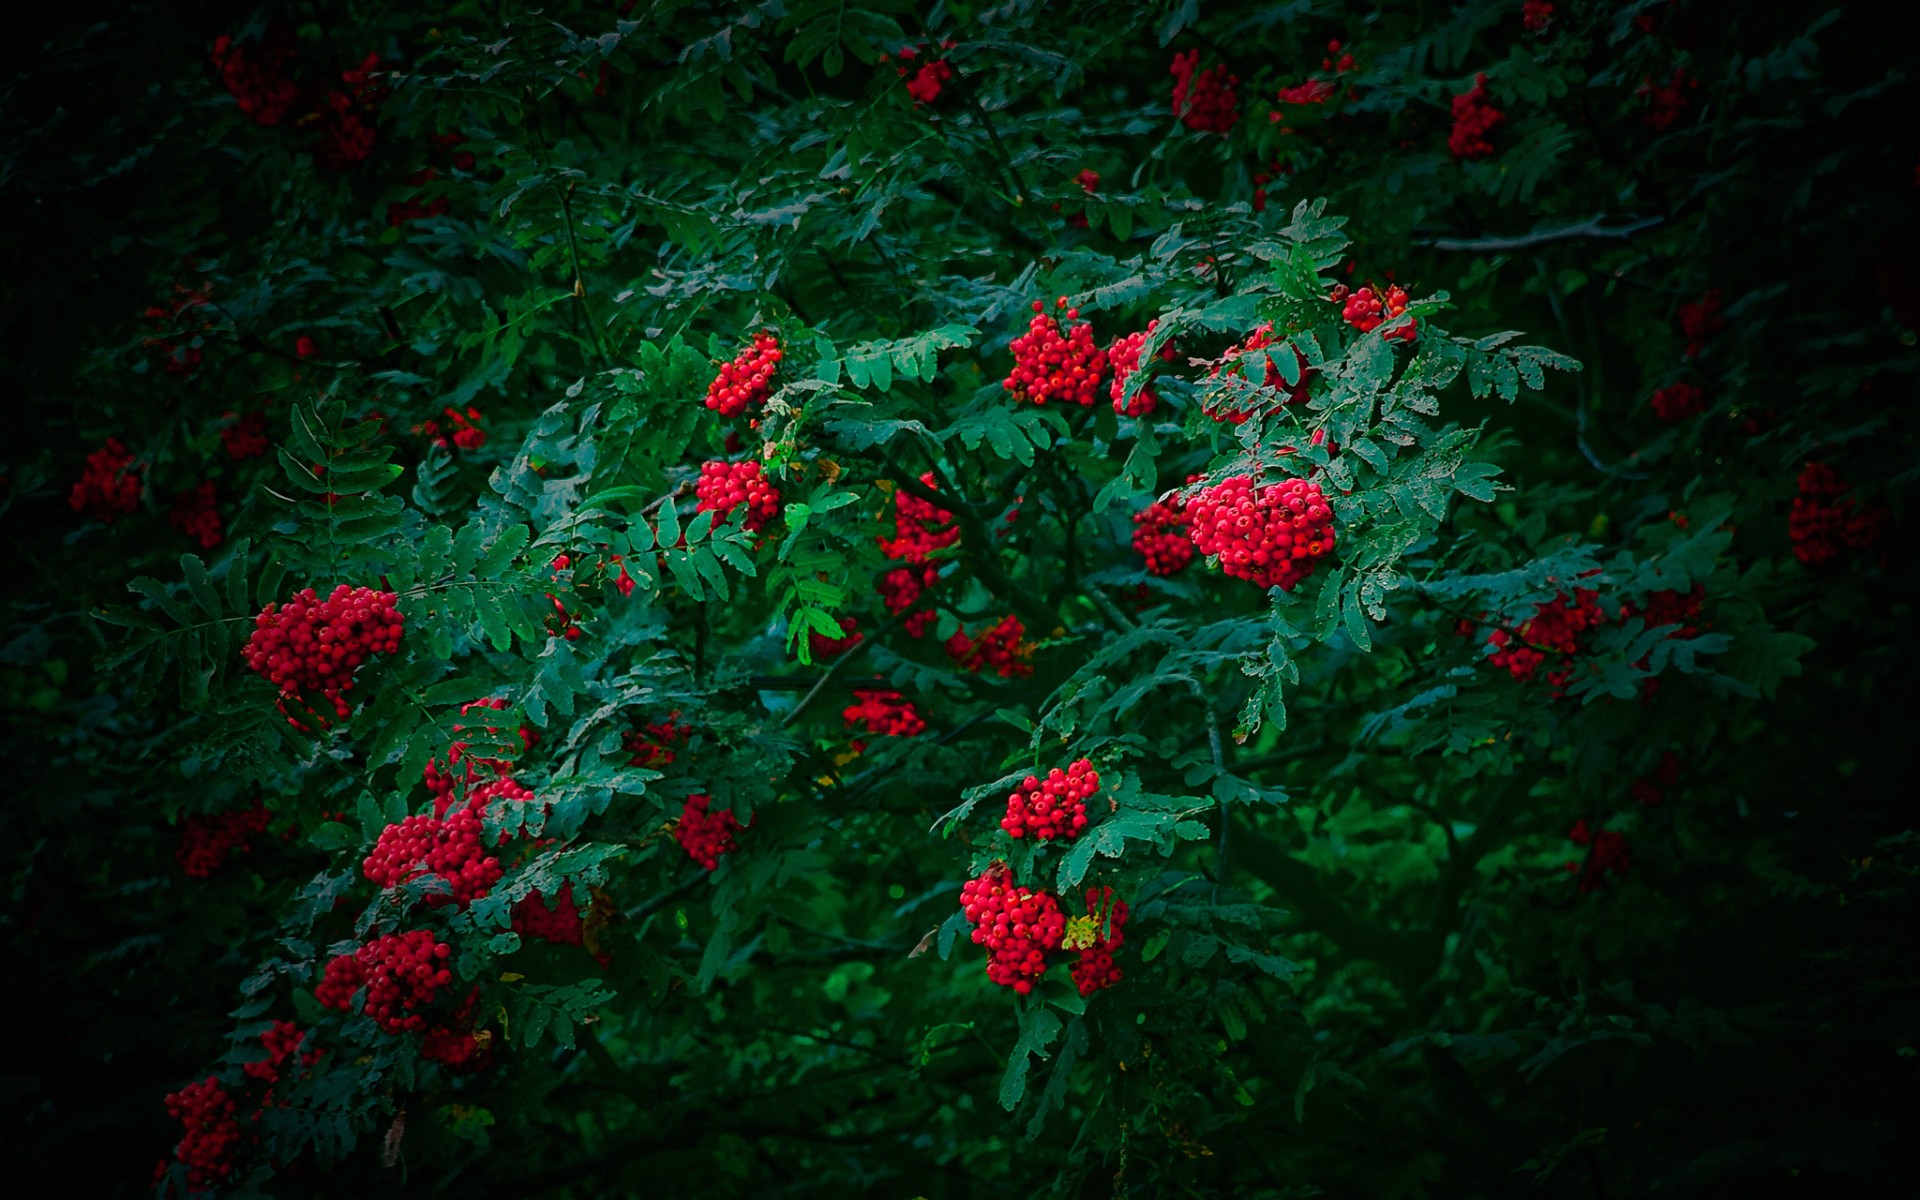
[(919, 526), (747, 381), (653, 744), (1536, 15), (819, 645), (1701, 320), (886, 714), (1204, 100), (725, 486), (1474, 117), (1665, 102), (311, 647), (196, 513), (929, 80), (558, 922), (207, 841), (1678, 401), (1652, 790), (209, 1132), (1826, 520), (1606, 854), (706, 834), (442, 782), (1054, 808), (1161, 537), (1049, 365), (1018, 926), (402, 973), (259, 75), (1367, 309), (453, 1043), (245, 437), (1095, 969), (282, 1041), (450, 847), (1271, 535), (107, 487), (1124, 356), (460, 430), (902, 587), (1233, 364), (999, 649), (1554, 634)]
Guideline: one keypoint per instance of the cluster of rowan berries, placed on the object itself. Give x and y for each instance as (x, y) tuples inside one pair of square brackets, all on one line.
[(747, 381), (259, 76), (345, 116), (1054, 808), (1825, 519), (1366, 309), (461, 429), (442, 782), (209, 840), (1124, 357), (1606, 854), (706, 834), (999, 648), (1556, 632), (311, 647), (902, 587), (653, 744), (1270, 534), (1678, 401), (561, 623), (1233, 364), (1095, 968), (1018, 926), (402, 973), (1160, 536), (1670, 606), (1666, 101), (558, 922), (1651, 790), (453, 1043), (930, 79), (108, 488), (820, 646), (209, 1132), (245, 436), (725, 486), (1536, 15), (196, 513), (920, 527), (885, 714), (449, 847), (1204, 100), (1049, 365), (1474, 117), (1701, 319)]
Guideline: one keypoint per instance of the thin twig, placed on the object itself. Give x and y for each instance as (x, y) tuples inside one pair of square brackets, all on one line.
[(1591, 228)]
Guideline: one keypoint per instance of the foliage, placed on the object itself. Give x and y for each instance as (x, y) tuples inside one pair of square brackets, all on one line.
[(1373, 945)]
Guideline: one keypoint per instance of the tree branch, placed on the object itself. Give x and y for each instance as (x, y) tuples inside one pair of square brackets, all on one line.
[(1591, 228)]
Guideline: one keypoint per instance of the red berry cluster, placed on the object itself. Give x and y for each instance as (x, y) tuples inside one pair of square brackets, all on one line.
[(1095, 969), (1652, 790), (449, 847), (562, 623), (1054, 808), (930, 79), (1606, 853), (1474, 117), (311, 647), (245, 437), (902, 587), (282, 1041), (1049, 365), (1556, 632), (207, 841), (1678, 401), (1161, 537), (1124, 355), (1233, 364), (1536, 15), (209, 1132), (196, 513), (1701, 320), (454, 1043), (653, 744), (1204, 100), (345, 117), (885, 714), (107, 487), (460, 430), (259, 75), (725, 486), (558, 922), (706, 834), (747, 381), (1368, 309), (919, 526), (819, 645), (1665, 102), (1671, 607), (999, 648), (441, 781), (402, 973), (1271, 535), (1018, 926), (1825, 519), (176, 358)]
